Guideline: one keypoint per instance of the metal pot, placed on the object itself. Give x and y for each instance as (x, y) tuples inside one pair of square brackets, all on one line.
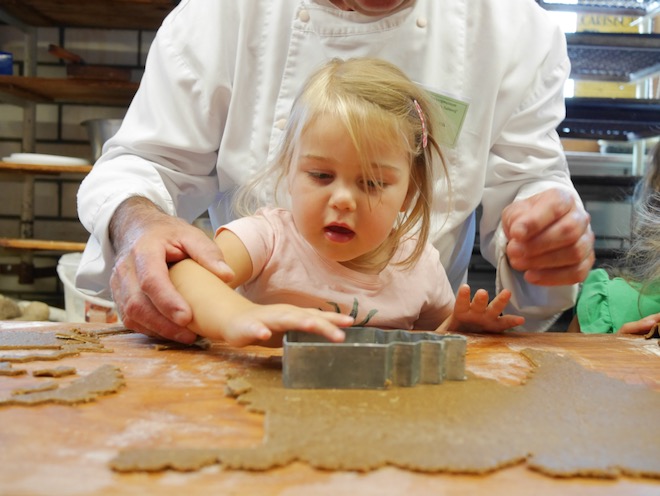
[(99, 131)]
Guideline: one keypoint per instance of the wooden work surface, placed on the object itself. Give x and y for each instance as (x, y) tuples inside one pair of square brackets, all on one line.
[(175, 398)]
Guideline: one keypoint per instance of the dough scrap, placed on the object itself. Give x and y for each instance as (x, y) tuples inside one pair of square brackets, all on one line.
[(60, 371), (564, 421), (7, 368), (46, 386), (155, 460), (106, 379), (38, 340), (56, 345), (29, 340), (200, 342)]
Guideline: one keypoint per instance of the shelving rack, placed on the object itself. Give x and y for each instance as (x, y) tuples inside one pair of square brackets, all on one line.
[(595, 56), (616, 57), (28, 90), (638, 8)]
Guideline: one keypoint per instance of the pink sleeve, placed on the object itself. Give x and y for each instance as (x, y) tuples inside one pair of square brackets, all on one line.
[(258, 235)]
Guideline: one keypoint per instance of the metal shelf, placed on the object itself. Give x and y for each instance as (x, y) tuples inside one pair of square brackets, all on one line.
[(613, 56), (105, 14), (615, 119), (28, 90), (639, 8), (20, 89)]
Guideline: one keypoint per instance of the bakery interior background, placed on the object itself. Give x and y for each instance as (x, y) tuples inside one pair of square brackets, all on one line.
[(606, 151)]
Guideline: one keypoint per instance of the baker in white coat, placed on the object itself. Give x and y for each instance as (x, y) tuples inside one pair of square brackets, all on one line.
[(219, 82)]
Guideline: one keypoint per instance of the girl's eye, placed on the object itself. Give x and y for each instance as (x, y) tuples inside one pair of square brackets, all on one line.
[(373, 186), (322, 177)]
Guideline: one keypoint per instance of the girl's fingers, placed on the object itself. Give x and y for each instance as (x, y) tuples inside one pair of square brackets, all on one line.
[(500, 302), (463, 303), (480, 301)]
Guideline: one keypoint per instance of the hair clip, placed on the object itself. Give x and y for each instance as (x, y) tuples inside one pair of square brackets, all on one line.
[(421, 118)]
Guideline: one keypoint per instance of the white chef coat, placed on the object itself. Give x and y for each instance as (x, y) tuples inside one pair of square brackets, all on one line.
[(221, 76)]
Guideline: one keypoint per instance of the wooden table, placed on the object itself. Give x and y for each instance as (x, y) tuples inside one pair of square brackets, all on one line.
[(175, 398)]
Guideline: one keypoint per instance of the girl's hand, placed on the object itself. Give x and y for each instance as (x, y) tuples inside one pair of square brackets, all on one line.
[(478, 314), (266, 324), (641, 326)]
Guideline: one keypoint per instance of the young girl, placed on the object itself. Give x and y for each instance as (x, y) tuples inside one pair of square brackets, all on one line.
[(356, 162), (629, 301)]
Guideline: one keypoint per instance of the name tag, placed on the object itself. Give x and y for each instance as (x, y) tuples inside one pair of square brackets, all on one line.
[(453, 115)]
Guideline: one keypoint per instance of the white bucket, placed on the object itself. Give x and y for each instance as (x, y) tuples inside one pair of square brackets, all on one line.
[(80, 307)]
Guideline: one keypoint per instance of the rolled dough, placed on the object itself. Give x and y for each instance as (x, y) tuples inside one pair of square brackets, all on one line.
[(564, 421)]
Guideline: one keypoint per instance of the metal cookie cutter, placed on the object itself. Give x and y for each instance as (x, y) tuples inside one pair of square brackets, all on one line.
[(371, 358)]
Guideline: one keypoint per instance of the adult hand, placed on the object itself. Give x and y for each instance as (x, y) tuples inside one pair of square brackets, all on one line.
[(146, 240), (550, 238), (479, 315), (641, 326)]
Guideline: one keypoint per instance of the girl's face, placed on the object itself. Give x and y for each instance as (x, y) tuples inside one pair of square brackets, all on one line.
[(342, 214)]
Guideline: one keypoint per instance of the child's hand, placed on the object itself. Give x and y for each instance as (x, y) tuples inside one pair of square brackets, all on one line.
[(266, 324), (641, 326), (478, 314)]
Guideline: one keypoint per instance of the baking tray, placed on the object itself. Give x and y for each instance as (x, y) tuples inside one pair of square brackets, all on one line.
[(372, 358)]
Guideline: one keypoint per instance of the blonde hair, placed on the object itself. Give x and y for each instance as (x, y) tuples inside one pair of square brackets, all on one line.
[(377, 103), (641, 263)]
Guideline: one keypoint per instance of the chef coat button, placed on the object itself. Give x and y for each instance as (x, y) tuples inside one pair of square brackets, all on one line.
[(280, 124), (422, 22), (303, 15)]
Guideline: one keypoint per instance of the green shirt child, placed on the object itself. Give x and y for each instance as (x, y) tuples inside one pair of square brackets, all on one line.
[(605, 304)]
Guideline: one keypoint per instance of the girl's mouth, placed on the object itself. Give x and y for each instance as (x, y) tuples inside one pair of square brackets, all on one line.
[(338, 234)]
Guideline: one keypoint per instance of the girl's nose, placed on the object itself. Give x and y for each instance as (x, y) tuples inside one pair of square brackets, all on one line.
[(342, 198)]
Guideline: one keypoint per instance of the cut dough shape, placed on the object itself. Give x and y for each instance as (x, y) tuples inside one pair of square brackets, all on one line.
[(564, 421), (106, 379)]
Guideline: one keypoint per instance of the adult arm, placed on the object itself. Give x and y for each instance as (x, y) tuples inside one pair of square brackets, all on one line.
[(146, 240), (165, 152), (535, 229)]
